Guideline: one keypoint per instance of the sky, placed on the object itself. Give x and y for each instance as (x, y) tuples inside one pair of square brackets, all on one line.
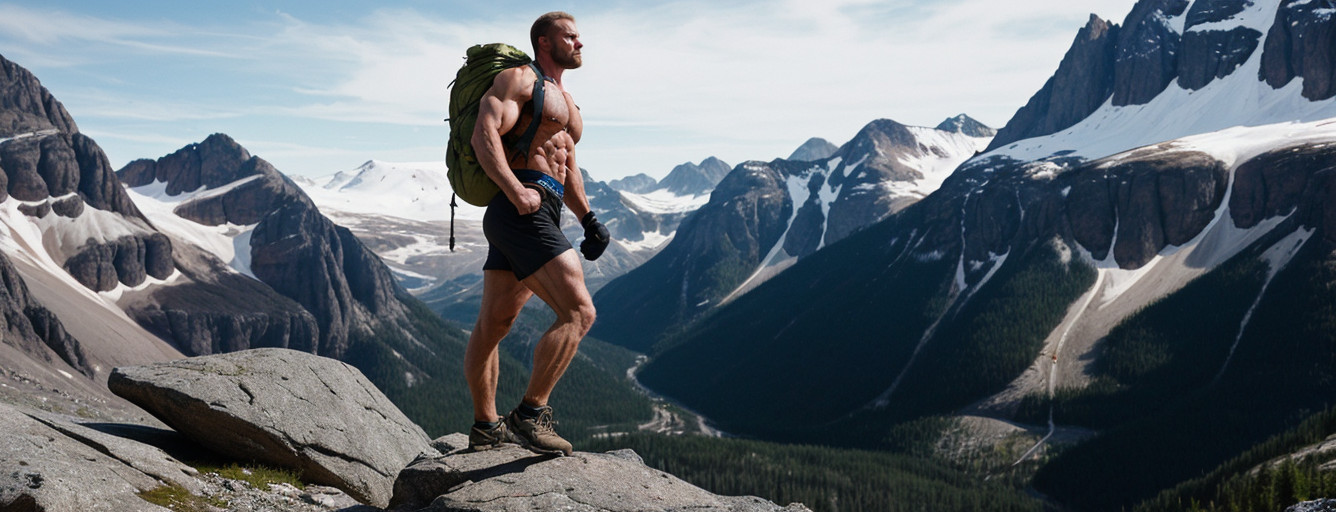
[(318, 87)]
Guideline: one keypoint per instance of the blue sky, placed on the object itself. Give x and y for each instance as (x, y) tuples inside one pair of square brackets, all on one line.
[(317, 87)]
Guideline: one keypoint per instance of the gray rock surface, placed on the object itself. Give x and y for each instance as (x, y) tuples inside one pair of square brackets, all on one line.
[(511, 478), (46, 469), (1323, 505), (291, 409)]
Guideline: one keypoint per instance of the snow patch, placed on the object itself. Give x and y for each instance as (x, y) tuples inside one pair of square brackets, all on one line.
[(229, 242)]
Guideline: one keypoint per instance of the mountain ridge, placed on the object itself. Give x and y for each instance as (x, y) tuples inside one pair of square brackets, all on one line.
[(764, 216)]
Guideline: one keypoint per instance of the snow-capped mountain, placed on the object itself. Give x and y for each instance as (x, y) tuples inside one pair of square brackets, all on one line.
[(1144, 250), (763, 217), (402, 211)]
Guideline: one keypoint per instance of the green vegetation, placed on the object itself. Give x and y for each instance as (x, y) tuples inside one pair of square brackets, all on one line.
[(1252, 482), (997, 334), (794, 352), (258, 476), (177, 498), (1162, 353), (823, 478), (1179, 423)]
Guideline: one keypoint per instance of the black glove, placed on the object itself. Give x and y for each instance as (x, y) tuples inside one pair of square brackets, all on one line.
[(596, 237)]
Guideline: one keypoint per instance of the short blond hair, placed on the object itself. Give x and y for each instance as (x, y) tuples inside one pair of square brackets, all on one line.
[(543, 26)]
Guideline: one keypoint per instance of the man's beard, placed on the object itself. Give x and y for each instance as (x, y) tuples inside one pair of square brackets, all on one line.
[(571, 61)]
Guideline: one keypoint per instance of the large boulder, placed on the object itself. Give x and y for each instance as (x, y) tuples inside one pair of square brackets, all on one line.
[(511, 478), (291, 409)]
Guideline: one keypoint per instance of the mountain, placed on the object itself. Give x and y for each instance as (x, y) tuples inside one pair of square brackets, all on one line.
[(73, 241), (638, 184), (967, 125), (691, 179), (816, 148), (765, 216), (1144, 251)]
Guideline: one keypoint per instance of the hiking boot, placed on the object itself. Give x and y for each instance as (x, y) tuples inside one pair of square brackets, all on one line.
[(537, 434), (488, 438)]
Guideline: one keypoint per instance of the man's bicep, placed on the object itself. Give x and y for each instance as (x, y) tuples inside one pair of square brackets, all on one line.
[(500, 106), (497, 114)]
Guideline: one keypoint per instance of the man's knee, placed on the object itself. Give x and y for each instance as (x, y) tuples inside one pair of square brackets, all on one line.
[(496, 325), (583, 315)]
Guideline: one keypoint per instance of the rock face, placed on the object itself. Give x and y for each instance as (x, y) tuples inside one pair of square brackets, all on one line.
[(1146, 59), (1211, 54), (512, 479), (1302, 43), (1154, 201), (283, 407), (45, 160), (31, 328), (1288, 180), (1083, 81), (26, 106)]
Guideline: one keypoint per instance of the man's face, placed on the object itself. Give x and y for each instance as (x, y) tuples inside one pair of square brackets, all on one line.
[(565, 41)]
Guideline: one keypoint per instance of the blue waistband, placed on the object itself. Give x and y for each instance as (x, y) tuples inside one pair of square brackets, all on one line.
[(542, 180)]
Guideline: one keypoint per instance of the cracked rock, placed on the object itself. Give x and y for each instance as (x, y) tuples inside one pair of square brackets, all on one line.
[(511, 478), (55, 471), (286, 408)]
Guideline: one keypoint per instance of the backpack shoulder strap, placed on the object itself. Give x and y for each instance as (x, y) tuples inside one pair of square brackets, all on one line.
[(525, 140)]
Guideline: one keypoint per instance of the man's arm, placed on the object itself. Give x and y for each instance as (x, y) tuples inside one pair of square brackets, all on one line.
[(574, 197), (498, 112)]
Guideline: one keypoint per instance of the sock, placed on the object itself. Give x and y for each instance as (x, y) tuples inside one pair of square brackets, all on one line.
[(527, 411), (486, 425)]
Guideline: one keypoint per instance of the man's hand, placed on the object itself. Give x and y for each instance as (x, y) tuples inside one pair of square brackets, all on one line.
[(527, 201), (596, 239)]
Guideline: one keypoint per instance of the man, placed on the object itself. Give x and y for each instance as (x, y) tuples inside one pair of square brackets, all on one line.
[(528, 254)]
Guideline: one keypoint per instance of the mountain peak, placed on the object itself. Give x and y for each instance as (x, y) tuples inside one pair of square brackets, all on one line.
[(966, 125), (695, 179), (26, 106), (816, 148)]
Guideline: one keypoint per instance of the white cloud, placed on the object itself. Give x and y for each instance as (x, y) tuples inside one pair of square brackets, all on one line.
[(752, 80)]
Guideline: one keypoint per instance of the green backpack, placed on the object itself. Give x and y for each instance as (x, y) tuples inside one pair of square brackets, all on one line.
[(482, 63)]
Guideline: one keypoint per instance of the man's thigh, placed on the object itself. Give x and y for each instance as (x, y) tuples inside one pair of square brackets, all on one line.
[(560, 283)]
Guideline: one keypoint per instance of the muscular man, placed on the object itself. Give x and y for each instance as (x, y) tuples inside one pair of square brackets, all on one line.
[(528, 254)]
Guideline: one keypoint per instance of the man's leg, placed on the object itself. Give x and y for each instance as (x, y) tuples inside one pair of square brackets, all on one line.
[(560, 283), (502, 299)]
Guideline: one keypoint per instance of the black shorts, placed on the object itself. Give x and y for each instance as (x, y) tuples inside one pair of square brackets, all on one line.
[(523, 243)]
